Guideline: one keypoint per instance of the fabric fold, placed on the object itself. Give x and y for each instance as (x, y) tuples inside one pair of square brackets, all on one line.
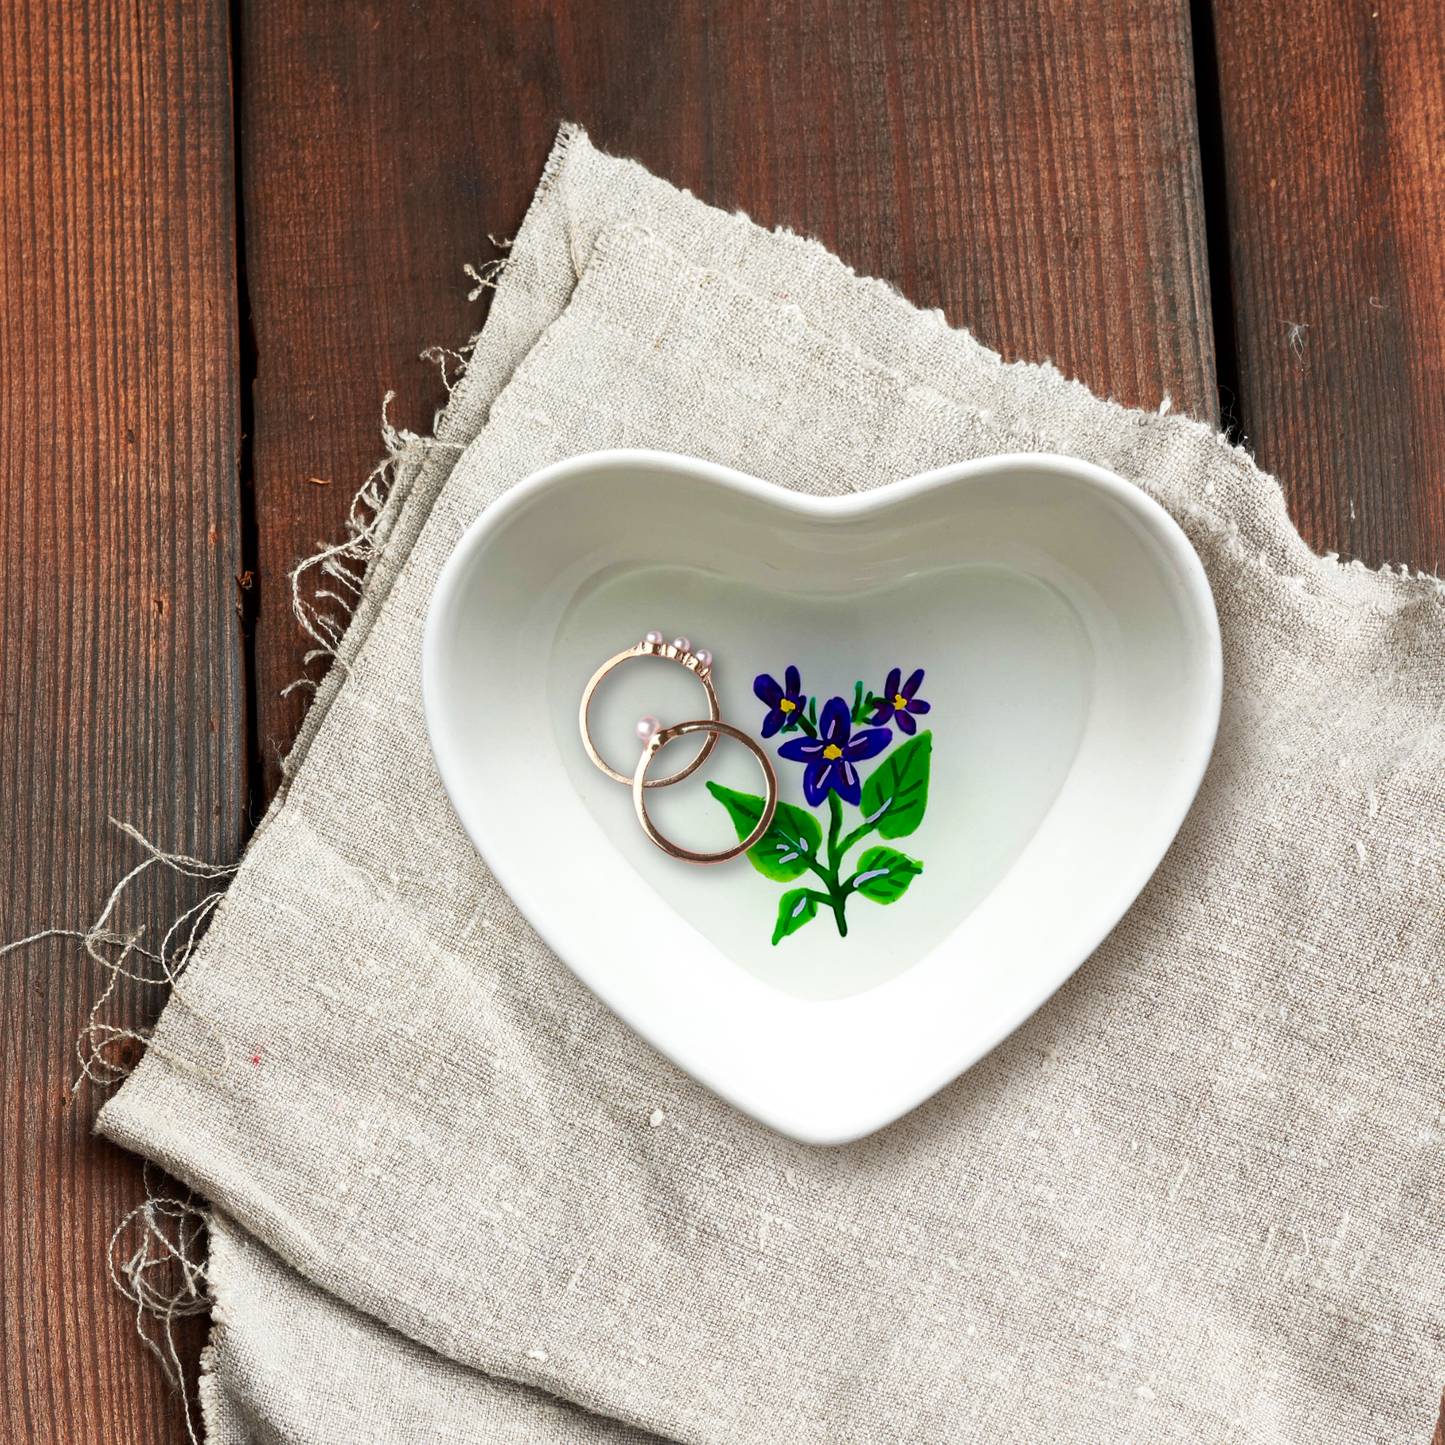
[(1195, 1196), (288, 1364)]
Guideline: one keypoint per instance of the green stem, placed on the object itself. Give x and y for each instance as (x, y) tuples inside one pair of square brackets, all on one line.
[(837, 892), (830, 878), (833, 899)]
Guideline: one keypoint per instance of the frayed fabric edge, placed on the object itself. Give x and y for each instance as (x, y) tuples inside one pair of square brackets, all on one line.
[(345, 571), (157, 1261), (354, 575), (403, 476), (177, 948), (155, 1258)]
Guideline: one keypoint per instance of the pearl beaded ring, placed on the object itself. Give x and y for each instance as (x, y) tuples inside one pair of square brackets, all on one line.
[(654, 737), (680, 651)]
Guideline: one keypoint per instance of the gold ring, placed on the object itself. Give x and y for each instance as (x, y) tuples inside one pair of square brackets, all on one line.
[(699, 664), (717, 729)]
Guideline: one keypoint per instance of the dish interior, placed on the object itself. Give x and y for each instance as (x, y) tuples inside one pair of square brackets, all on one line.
[(1059, 670), (1007, 665)]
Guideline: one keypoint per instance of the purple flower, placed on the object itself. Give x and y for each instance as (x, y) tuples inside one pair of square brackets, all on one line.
[(831, 755), (898, 704), (785, 704)]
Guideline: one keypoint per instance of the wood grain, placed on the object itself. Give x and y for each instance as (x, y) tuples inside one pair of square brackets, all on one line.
[(121, 689), (1031, 168), (1334, 143)]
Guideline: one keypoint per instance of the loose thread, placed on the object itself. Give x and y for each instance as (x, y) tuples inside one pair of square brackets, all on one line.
[(368, 523), (1295, 339), (491, 273), (441, 355), (341, 568), (98, 1037), (163, 1276)]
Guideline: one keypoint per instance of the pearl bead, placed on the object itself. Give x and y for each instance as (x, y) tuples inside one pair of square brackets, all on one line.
[(704, 657), (646, 726), (653, 637), (682, 644)]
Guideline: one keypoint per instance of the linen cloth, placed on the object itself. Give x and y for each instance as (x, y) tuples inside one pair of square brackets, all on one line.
[(1196, 1196)]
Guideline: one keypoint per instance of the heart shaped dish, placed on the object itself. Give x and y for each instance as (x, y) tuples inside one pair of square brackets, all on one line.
[(989, 694)]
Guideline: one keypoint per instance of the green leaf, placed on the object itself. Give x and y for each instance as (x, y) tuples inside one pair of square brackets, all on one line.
[(795, 908), (785, 850), (884, 874), (896, 792)]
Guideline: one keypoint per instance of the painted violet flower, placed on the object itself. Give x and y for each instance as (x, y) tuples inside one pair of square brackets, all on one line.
[(898, 704), (784, 704), (830, 757)]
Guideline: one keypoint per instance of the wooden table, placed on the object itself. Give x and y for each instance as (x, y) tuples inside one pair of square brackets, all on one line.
[(226, 231)]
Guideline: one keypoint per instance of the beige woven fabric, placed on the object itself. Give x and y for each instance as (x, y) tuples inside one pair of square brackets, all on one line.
[(289, 1363), (1197, 1196)]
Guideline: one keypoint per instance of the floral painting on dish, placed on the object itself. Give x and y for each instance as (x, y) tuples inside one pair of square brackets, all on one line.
[(829, 744)]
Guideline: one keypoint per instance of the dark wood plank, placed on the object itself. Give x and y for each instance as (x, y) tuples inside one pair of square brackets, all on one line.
[(121, 687), (1032, 168), (1334, 142)]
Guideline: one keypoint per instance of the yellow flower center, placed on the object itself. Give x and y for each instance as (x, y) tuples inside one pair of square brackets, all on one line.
[(900, 702), (788, 705), (832, 752)]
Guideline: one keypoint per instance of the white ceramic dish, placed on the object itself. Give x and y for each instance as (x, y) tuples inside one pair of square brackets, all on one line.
[(1072, 665)]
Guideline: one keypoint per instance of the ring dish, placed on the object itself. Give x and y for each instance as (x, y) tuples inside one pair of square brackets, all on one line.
[(1069, 652)]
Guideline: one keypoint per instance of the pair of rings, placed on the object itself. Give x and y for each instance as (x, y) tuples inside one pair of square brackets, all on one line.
[(655, 737)]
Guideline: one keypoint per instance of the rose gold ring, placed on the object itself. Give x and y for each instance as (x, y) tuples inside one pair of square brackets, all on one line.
[(716, 729), (698, 663)]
